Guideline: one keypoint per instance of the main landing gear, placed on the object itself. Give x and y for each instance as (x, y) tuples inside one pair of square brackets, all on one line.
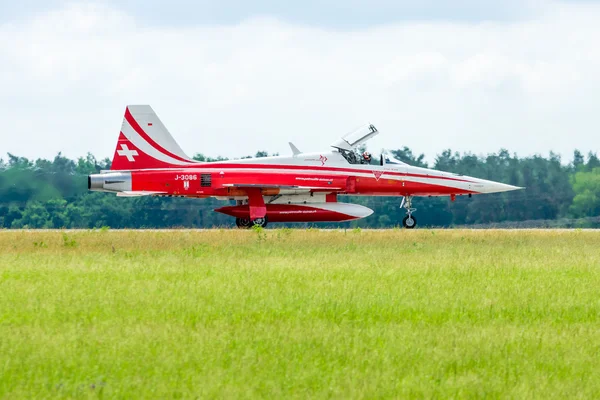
[(409, 222), (247, 223), (256, 206)]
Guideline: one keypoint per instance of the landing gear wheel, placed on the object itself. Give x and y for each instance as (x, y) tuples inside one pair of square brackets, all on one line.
[(262, 222), (409, 222), (243, 223)]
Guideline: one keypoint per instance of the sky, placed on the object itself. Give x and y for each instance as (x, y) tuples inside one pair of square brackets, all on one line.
[(233, 77)]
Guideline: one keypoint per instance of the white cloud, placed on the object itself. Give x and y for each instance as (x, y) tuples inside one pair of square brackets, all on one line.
[(529, 86)]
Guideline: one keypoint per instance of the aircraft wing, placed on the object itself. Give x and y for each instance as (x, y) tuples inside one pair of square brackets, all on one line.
[(139, 193), (281, 181), (262, 186)]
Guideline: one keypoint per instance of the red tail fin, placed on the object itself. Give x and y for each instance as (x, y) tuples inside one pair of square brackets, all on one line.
[(144, 142)]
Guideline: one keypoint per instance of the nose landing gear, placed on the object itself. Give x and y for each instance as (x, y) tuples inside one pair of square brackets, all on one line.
[(409, 222)]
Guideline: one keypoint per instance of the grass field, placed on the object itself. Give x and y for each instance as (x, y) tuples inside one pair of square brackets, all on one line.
[(300, 313)]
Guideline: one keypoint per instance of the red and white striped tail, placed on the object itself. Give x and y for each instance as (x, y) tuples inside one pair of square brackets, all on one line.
[(144, 142)]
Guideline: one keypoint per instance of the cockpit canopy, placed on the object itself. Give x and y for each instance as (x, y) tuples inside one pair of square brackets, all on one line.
[(354, 139), (354, 157), (349, 144)]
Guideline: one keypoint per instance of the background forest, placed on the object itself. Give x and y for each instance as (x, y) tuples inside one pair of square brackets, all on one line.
[(53, 194)]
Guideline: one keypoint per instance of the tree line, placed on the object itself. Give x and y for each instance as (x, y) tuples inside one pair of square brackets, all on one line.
[(53, 194)]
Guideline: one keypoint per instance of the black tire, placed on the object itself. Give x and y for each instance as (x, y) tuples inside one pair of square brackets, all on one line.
[(262, 222), (243, 223), (409, 222)]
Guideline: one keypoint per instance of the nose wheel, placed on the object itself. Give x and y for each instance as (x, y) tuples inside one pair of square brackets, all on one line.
[(409, 222)]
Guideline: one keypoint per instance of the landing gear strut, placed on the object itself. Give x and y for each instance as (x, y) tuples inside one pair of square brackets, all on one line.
[(247, 223), (409, 222)]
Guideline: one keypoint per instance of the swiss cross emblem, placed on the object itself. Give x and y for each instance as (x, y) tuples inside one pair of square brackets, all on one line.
[(126, 152), (377, 174)]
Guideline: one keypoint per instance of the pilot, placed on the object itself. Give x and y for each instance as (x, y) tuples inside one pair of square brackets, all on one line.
[(367, 157)]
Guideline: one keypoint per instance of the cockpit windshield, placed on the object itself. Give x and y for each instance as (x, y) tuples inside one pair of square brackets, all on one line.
[(388, 159)]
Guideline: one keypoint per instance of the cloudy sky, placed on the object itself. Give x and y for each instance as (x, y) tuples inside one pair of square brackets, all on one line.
[(231, 77)]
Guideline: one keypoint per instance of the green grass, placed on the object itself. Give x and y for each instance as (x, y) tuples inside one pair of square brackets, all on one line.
[(300, 314)]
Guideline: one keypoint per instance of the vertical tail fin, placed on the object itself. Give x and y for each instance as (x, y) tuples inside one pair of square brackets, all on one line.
[(144, 142)]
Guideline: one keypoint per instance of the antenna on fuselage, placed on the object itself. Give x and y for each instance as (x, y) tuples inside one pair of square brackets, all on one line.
[(294, 149)]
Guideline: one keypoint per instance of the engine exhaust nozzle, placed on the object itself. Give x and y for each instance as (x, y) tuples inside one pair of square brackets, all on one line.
[(95, 182)]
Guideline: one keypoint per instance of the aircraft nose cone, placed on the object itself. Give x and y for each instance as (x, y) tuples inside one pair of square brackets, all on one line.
[(495, 187), (501, 187)]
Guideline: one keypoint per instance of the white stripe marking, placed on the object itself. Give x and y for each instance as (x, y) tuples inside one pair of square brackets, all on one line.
[(144, 146)]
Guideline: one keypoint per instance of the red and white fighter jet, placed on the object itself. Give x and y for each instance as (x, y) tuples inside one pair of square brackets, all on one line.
[(303, 187)]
